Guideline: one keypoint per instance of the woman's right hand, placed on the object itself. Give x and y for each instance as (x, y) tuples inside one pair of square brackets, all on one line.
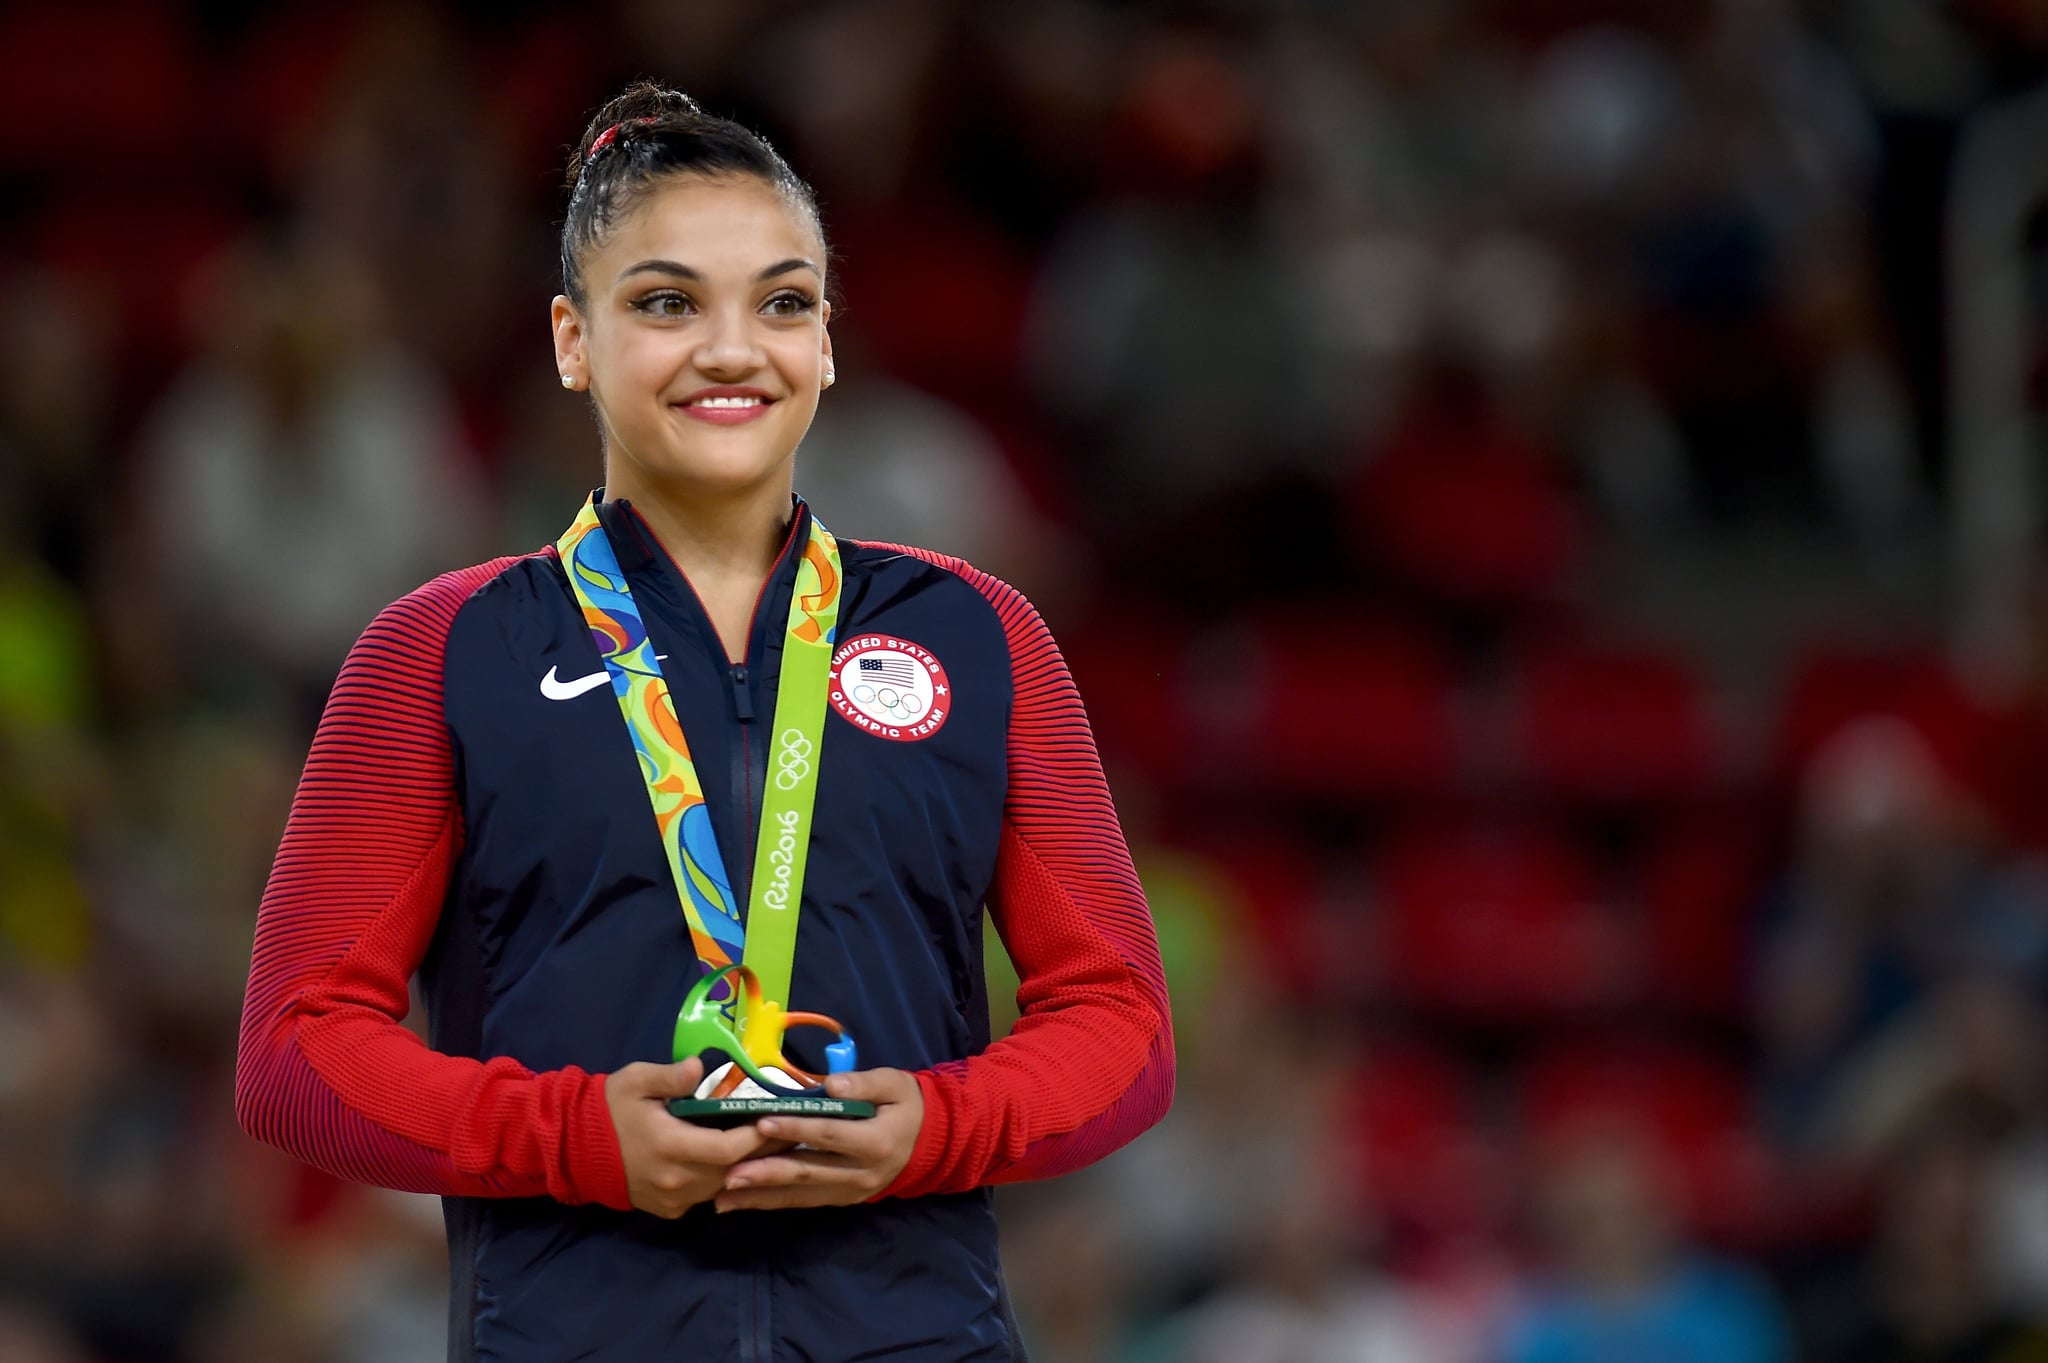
[(671, 1164)]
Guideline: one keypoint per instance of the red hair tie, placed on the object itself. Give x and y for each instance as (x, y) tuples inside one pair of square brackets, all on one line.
[(609, 136)]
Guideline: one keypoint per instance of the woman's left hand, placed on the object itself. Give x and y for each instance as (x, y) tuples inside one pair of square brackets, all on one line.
[(849, 1160)]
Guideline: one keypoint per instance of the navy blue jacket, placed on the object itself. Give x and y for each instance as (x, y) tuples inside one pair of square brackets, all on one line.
[(472, 812)]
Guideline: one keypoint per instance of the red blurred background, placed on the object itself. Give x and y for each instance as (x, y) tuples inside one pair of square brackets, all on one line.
[(1539, 496)]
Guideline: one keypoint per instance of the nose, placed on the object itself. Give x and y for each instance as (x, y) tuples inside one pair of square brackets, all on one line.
[(729, 346)]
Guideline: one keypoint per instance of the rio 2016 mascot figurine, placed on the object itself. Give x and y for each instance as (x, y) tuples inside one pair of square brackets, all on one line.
[(756, 1053)]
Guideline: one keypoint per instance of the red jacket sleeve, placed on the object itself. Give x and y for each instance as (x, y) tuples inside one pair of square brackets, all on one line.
[(325, 1069), (1090, 1062)]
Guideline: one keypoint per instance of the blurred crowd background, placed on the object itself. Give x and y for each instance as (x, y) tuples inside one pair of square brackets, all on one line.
[(1539, 496)]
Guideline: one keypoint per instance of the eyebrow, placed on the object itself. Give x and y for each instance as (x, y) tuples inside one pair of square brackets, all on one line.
[(682, 271)]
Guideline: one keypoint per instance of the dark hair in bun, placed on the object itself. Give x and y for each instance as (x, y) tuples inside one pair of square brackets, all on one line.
[(642, 136)]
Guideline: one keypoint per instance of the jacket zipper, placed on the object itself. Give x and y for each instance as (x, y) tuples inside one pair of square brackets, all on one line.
[(743, 710), (737, 675), (760, 1346)]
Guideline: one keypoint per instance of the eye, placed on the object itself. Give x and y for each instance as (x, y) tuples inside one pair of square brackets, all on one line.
[(664, 303), (789, 303)]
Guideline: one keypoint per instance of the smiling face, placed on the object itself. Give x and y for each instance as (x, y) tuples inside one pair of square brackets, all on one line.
[(702, 336)]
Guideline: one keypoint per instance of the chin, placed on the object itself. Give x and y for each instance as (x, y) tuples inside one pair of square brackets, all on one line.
[(734, 466)]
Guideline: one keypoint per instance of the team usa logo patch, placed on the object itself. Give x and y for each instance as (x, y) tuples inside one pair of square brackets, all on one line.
[(890, 687)]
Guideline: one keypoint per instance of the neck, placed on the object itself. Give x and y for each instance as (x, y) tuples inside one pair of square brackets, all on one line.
[(716, 539)]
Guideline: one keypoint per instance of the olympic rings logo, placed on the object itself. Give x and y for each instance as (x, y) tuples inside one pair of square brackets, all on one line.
[(890, 688), (900, 705), (793, 761)]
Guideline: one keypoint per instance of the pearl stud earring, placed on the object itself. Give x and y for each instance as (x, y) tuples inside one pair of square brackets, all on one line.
[(568, 381), (831, 375)]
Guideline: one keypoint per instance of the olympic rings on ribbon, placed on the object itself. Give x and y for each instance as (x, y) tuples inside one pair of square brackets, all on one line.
[(793, 760)]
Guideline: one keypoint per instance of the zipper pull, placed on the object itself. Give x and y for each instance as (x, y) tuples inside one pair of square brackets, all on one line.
[(742, 698)]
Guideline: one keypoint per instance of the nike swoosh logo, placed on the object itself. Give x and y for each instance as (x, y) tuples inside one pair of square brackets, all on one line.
[(555, 689)]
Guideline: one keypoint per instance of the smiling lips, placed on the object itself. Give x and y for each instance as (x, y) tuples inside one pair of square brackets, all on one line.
[(726, 406)]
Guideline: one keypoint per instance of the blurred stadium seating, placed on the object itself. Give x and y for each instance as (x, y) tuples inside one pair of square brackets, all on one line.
[(1519, 486)]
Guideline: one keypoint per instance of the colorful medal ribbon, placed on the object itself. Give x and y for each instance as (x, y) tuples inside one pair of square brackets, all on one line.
[(766, 938)]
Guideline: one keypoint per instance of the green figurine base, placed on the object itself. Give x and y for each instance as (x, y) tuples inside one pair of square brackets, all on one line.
[(730, 1112)]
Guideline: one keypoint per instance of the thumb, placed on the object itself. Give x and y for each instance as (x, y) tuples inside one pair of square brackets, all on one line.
[(674, 1081), (870, 1086)]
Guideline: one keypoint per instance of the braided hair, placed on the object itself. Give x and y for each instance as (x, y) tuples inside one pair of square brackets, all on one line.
[(644, 135)]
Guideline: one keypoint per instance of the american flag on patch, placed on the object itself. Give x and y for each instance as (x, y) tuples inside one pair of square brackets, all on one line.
[(896, 671)]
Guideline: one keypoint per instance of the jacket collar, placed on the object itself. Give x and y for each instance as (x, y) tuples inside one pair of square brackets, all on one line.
[(644, 559)]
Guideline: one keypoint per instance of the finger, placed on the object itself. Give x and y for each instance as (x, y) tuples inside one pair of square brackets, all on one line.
[(679, 1080), (800, 1195), (642, 1079), (846, 1135), (688, 1143), (872, 1086), (808, 1180), (805, 1167)]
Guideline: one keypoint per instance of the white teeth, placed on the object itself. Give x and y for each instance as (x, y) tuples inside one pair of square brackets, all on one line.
[(726, 402)]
